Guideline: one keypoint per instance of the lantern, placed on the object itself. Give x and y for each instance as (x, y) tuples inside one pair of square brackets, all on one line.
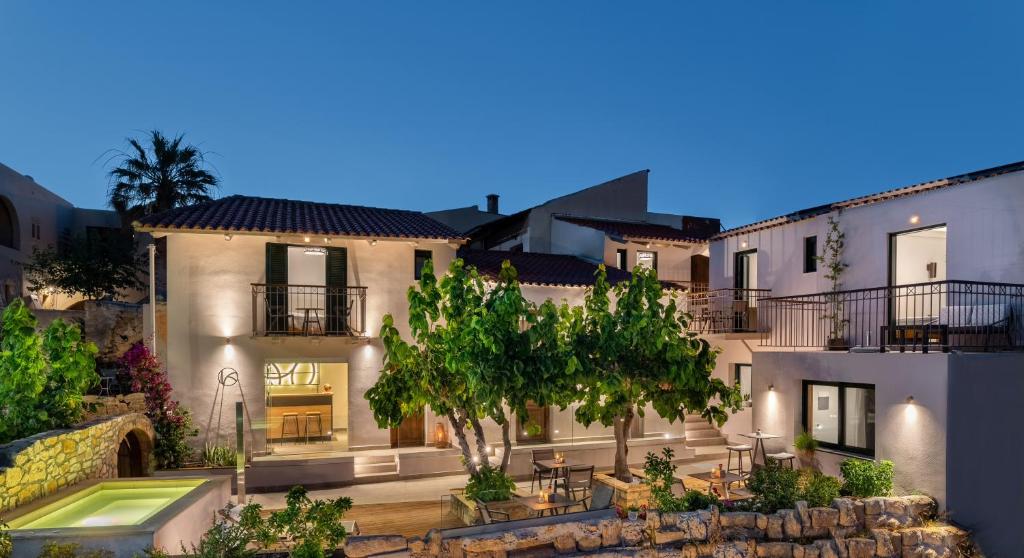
[(441, 440)]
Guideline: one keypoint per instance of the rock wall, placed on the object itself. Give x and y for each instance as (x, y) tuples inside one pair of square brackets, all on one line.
[(113, 326), (40, 465), (898, 527)]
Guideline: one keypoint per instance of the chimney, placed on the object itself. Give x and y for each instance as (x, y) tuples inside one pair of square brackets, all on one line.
[(492, 203)]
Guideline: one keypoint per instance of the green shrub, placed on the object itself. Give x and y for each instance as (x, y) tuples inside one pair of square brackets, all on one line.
[(774, 487), (6, 546), (819, 489), (311, 525), (72, 372), (694, 500), (805, 442), (22, 374), (72, 550), (231, 540), (490, 485), (863, 478), (218, 456)]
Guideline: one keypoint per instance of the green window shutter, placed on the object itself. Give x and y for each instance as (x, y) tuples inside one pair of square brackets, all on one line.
[(277, 264), (339, 304)]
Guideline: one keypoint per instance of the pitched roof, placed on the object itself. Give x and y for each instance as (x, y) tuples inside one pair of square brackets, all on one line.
[(268, 215), (631, 229), (541, 269), (873, 198)]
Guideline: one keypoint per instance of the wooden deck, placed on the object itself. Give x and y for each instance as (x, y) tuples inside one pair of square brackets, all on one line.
[(406, 518)]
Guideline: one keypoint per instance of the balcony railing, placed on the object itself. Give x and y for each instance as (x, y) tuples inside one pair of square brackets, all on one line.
[(725, 310), (308, 310), (941, 315)]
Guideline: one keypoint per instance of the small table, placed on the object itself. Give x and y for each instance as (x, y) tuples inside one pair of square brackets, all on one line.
[(306, 322), (724, 480), (557, 467), (556, 503), (759, 438)]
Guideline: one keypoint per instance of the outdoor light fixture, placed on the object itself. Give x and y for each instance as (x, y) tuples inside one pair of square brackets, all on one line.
[(305, 238), (227, 236), (915, 219), (910, 400), (743, 244), (373, 242), (315, 251), (327, 240), (771, 387)]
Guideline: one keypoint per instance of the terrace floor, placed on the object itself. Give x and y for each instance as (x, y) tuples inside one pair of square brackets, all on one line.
[(413, 507)]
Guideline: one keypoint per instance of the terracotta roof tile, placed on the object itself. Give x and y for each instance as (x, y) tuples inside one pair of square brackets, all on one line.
[(541, 269), (268, 215)]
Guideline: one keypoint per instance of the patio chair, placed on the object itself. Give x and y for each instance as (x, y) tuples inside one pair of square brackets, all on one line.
[(578, 479), (490, 515), (601, 497), (540, 471)]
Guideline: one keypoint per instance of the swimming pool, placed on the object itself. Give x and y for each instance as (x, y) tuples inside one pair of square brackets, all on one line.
[(122, 515)]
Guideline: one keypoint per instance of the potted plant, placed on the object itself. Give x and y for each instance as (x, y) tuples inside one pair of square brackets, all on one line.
[(805, 445), (831, 258), (633, 513)]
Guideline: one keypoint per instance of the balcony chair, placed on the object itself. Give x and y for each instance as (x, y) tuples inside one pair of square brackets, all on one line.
[(490, 515)]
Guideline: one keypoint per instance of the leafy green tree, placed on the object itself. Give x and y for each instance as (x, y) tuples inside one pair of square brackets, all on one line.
[(95, 267), (159, 176), (639, 352), (72, 371), (478, 352), (311, 525), (22, 374)]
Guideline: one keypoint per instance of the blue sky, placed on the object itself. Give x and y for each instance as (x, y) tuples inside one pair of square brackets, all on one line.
[(741, 110)]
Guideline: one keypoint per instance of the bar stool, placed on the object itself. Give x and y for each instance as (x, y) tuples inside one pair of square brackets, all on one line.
[(311, 418), (739, 450), (294, 417), (783, 456)]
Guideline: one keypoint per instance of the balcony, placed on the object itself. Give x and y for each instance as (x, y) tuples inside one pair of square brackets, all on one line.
[(941, 315), (724, 310), (308, 310)]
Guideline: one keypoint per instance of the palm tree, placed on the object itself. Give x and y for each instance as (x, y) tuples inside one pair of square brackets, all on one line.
[(161, 176)]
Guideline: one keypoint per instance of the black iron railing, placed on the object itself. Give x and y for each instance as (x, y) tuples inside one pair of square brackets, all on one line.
[(308, 310), (724, 310), (940, 315)]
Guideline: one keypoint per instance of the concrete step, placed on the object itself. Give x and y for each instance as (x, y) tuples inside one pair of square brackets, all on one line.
[(374, 478), (698, 442), (694, 418), (703, 434), (374, 468), (374, 458), (695, 427)]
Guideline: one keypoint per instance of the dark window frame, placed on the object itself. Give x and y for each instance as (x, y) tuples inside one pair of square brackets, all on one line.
[(622, 258), (841, 446), (811, 254), (654, 257), (417, 265)]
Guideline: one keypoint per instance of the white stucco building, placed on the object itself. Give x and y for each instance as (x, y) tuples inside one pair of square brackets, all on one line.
[(926, 330), (32, 217)]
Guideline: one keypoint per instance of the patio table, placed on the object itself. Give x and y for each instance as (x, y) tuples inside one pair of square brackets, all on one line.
[(557, 503), (759, 438), (558, 468), (724, 480)]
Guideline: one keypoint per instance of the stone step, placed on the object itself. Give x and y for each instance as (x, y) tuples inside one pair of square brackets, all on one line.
[(374, 468), (694, 418), (703, 434), (374, 477)]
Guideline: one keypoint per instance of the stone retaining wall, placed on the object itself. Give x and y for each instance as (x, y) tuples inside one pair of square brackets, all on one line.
[(897, 527), (40, 465)]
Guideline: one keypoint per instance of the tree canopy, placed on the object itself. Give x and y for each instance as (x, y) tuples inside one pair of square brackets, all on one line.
[(98, 267)]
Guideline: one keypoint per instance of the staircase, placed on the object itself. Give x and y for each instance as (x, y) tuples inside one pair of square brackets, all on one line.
[(375, 468), (704, 438)]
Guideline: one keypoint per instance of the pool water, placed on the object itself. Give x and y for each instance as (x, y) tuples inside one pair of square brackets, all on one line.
[(108, 504)]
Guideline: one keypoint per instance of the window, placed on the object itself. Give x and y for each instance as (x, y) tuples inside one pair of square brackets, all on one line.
[(620, 259), (647, 259), (741, 376), (419, 259), (841, 416), (810, 254)]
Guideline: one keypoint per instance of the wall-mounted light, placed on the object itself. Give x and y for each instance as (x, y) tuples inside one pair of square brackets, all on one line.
[(327, 240), (910, 400), (228, 236), (771, 387), (915, 219), (305, 238), (373, 242), (743, 244), (667, 435)]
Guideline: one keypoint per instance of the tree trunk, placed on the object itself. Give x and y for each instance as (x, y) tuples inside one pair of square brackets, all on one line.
[(459, 428), (506, 443), (481, 442), (622, 425)]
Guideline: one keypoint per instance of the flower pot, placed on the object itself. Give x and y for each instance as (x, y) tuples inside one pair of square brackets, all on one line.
[(633, 515)]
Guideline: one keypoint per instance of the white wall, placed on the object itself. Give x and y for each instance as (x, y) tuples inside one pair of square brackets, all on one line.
[(574, 240), (210, 300), (984, 232), (913, 436)]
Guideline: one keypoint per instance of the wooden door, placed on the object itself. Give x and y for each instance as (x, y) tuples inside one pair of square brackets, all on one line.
[(410, 433), (700, 269), (535, 414)]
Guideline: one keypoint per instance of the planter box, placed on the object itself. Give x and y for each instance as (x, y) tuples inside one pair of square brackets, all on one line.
[(465, 509), (626, 494)]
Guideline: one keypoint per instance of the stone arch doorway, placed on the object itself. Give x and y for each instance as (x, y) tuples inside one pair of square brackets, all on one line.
[(8, 225), (134, 454)]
